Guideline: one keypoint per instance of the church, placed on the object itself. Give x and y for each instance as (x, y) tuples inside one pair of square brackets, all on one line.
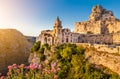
[(58, 35)]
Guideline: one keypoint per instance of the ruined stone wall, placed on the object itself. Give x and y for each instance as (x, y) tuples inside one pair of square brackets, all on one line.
[(88, 26), (96, 39)]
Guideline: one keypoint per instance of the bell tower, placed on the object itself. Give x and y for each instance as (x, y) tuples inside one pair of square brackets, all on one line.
[(57, 27)]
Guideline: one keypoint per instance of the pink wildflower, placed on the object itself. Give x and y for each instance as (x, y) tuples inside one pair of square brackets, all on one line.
[(10, 67), (27, 67), (53, 70), (55, 76), (27, 74), (14, 65), (43, 72), (8, 73), (40, 67), (22, 65), (46, 61), (18, 70), (2, 77), (48, 72), (33, 66), (53, 65), (58, 69)]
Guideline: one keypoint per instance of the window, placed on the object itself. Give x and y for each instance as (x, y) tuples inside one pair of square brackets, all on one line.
[(49, 39), (67, 40)]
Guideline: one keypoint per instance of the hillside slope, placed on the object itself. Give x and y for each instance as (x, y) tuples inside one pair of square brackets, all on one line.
[(14, 48)]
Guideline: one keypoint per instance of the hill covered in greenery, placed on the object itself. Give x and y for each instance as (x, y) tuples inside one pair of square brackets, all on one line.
[(70, 58), (65, 61)]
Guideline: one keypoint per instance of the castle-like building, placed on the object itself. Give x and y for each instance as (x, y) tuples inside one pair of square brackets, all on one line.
[(101, 28)]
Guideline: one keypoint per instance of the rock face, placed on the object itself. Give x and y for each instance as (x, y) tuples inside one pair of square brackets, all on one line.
[(111, 61), (101, 21), (14, 48), (99, 13)]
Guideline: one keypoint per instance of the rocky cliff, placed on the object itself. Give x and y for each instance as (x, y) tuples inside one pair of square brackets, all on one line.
[(101, 21), (99, 13), (14, 48), (109, 60)]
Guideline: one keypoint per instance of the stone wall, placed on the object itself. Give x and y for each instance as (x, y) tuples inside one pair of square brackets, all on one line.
[(96, 38), (103, 48), (109, 49), (116, 38), (88, 26)]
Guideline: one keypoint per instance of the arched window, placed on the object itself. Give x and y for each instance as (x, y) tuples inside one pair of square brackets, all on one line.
[(45, 40), (67, 40)]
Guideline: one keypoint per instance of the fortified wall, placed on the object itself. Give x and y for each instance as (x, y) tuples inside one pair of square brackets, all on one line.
[(102, 47)]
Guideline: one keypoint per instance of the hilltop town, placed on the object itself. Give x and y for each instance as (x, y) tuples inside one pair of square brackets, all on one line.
[(101, 31), (101, 28)]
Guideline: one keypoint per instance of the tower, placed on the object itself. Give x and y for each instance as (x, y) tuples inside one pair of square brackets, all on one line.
[(57, 27)]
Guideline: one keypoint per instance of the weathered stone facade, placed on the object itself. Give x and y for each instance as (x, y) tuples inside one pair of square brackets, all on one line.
[(96, 38), (101, 21), (58, 35)]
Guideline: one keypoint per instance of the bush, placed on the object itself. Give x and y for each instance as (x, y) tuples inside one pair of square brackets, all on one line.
[(36, 46), (41, 50), (72, 63), (47, 46), (42, 57)]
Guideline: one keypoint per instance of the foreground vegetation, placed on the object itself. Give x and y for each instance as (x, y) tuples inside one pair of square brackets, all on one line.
[(65, 61)]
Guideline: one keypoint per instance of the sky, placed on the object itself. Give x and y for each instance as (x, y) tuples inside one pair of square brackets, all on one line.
[(32, 16)]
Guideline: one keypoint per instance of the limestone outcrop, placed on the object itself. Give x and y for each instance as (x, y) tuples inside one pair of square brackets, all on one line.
[(99, 13), (14, 48), (109, 60), (101, 21)]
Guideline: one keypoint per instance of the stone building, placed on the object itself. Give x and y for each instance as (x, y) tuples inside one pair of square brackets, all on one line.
[(58, 35), (101, 28)]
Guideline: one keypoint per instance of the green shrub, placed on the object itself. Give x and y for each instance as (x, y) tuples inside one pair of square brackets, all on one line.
[(47, 46), (42, 57), (41, 50), (70, 58), (36, 46)]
